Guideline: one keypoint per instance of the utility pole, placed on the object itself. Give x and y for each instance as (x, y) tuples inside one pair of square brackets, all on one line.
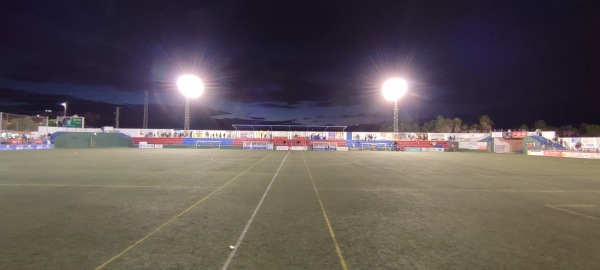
[(145, 123), (117, 116)]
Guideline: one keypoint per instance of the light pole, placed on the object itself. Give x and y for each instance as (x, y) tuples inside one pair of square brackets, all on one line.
[(393, 89), (191, 87), (64, 104)]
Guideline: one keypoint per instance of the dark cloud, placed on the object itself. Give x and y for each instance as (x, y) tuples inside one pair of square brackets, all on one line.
[(465, 58), (273, 105)]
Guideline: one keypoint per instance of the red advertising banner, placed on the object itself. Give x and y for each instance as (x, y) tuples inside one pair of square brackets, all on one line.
[(515, 135), (553, 154)]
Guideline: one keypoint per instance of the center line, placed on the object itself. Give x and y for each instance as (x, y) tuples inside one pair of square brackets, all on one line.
[(239, 241), (338, 250)]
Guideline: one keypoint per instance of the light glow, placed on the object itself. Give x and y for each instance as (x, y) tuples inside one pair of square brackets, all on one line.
[(190, 86), (393, 89)]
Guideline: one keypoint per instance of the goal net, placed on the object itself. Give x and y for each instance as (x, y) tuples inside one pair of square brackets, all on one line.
[(208, 144), (376, 147), (324, 146), (251, 145)]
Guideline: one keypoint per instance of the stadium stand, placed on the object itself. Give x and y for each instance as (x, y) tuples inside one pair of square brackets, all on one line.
[(548, 143)]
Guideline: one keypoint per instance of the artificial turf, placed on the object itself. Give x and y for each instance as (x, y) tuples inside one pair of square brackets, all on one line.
[(125, 208)]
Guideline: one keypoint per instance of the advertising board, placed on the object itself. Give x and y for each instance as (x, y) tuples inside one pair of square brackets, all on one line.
[(72, 122)]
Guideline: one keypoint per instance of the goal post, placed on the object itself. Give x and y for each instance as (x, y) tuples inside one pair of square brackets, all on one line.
[(208, 144), (376, 147), (324, 146), (257, 145)]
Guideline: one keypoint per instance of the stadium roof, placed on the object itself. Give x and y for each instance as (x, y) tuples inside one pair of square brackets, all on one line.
[(289, 128)]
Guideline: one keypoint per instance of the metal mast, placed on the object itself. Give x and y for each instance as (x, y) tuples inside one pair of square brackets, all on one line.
[(145, 123), (186, 123), (117, 114), (396, 116)]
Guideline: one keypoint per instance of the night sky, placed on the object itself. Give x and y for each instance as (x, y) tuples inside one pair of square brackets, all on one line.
[(304, 62)]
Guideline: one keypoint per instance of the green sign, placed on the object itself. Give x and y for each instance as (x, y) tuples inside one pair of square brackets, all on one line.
[(73, 122)]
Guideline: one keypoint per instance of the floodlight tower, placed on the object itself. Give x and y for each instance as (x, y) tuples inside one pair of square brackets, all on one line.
[(393, 89), (191, 87), (64, 104)]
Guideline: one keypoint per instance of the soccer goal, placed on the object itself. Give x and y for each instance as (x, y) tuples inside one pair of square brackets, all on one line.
[(208, 144), (324, 146), (376, 147), (252, 145)]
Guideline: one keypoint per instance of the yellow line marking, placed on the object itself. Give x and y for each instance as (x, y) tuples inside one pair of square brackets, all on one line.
[(574, 213), (335, 242), (175, 217), (462, 190), (573, 205), (109, 186)]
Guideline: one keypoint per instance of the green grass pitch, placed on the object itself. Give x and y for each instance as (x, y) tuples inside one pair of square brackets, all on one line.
[(183, 208)]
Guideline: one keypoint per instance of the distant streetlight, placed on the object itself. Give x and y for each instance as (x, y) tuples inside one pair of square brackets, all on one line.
[(64, 104), (191, 87), (393, 89)]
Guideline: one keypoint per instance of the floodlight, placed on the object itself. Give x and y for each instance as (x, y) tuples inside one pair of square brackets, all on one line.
[(393, 89), (64, 104), (190, 86)]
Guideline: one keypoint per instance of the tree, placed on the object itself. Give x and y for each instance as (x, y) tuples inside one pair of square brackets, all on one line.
[(409, 127), (429, 126), (464, 127), (456, 125), (485, 123), (442, 124), (540, 124), (386, 127), (568, 131), (590, 130), (474, 128), (524, 127)]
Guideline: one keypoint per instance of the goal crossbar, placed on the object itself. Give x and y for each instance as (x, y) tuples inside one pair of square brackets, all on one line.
[(208, 144), (376, 146)]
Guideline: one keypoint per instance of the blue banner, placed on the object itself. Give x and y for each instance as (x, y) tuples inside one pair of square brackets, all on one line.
[(14, 147)]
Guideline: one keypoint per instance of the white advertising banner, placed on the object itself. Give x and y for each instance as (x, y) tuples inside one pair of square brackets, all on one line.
[(472, 145)]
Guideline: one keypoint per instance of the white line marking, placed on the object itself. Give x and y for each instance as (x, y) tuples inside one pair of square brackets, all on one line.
[(241, 238), (571, 212), (265, 165), (101, 186)]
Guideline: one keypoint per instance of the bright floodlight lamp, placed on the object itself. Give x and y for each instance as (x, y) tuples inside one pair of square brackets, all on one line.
[(64, 104), (393, 89), (191, 87)]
